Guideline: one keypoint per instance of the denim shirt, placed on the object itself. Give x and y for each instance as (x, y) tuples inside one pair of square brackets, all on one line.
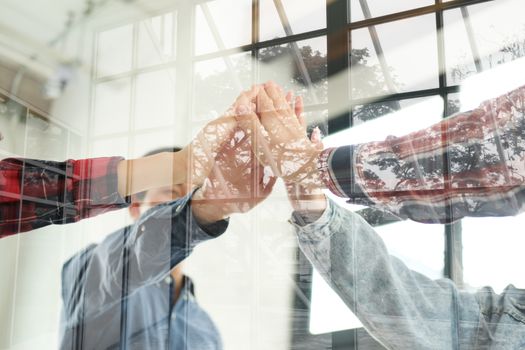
[(401, 308), (119, 294)]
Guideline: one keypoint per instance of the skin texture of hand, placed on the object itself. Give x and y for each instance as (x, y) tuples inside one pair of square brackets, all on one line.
[(292, 155), (307, 199), (237, 182)]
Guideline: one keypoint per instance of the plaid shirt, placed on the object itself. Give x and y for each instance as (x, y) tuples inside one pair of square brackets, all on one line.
[(471, 164), (35, 193)]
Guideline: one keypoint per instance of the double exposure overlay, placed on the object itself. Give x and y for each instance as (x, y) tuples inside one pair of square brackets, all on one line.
[(262, 174)]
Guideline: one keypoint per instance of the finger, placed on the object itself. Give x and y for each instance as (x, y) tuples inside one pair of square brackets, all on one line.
[(277, 96), (315, 137), (299, 108), (264, 102), (252, 126), (289, 98)]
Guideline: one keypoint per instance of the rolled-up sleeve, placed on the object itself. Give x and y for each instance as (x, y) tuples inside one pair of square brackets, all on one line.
[(35, 193)]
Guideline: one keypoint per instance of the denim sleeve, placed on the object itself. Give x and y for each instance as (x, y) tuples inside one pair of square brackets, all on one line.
[(95, 281), (399, 307)]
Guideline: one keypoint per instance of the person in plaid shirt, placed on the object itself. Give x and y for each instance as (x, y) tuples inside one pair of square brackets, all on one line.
[(36, 193)]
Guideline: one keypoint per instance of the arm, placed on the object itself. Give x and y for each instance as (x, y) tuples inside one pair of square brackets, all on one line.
[(36, 193), (406, 175), (401, 308)]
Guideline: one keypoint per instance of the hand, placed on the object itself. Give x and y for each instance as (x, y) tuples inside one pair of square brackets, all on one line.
[(201, 153), (285, 145), (237, 181)]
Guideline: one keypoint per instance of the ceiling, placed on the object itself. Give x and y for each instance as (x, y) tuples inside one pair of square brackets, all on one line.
[(28, 28)]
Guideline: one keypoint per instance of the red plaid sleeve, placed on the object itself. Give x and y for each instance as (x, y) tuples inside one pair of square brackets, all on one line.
[(35, 193)]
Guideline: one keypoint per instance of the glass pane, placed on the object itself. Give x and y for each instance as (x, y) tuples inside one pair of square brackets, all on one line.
[(155, 99), (413, 115), (419, 246), (493, 29), (500, 238), (409, 60), (147, 142), (12, 127), (376, 8), (108, 147), (45, 140), (302, 16), (112, 107), (371, 111), (453, 104), (222, 24), (300, 67), (218, 82), (157, 40), (114, 49), (328, 313)]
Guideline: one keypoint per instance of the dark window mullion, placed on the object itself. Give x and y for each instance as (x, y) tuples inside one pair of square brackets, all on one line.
[(453, 245)]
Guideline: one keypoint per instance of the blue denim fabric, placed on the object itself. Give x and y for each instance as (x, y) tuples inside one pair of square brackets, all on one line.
[(399, 307), (119, 294)]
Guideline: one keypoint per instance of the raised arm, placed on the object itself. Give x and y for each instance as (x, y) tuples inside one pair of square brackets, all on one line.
[(470, 164)]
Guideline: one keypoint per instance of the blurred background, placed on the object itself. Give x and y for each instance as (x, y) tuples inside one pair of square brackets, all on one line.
[(91, 78)]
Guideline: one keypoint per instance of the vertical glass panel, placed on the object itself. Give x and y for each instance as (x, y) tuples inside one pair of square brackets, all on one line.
[(492, 32), (409, 59), (301, 16), (370, 111), (299, 66), (8, 271), (112, 146), (492, 254), (218, 82), (155, 99), (45, 140), (413, 115), (157, 40), (147, 142), (114, 48), (222, 24), (74, 150), (12, 127), (328, 313), (112, 107), (419, 246), (376, 8), (453, 104)]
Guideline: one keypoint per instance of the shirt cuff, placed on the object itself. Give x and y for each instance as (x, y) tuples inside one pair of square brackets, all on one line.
[(95, 181), (336, 168), (317, 230)]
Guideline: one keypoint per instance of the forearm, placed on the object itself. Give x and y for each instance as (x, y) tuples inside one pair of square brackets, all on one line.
[(159, 170), (56, 192)]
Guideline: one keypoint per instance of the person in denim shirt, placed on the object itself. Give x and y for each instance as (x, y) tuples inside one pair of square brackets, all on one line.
[(401, 308), (129, 292)]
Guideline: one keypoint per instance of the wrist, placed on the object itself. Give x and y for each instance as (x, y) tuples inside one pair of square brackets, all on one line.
[(204, 211), (306, 200)]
